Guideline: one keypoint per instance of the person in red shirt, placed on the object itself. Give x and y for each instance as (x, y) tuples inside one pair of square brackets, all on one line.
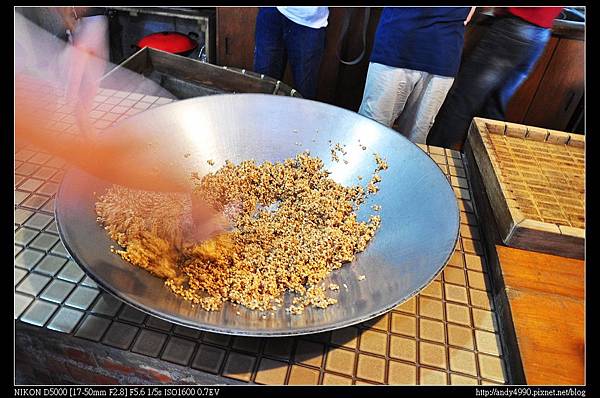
[(496, 68)]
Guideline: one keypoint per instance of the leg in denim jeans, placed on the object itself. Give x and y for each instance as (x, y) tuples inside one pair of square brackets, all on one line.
[(495, 106), (539, 39), (305, 48), (269, 51), (507, 45)]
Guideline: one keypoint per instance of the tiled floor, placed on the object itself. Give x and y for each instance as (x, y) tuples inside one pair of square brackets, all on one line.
[(447, 334)]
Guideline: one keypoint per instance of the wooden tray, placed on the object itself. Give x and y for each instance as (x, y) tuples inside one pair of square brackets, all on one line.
[(534, 179)]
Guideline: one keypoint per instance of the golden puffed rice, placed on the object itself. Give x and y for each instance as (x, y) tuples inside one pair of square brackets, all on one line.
[(292, 246)]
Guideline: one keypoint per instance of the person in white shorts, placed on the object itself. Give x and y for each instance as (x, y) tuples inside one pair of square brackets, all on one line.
[(415, 57)]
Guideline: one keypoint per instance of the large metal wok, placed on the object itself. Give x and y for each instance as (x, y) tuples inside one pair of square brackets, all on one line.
[(420, 218)]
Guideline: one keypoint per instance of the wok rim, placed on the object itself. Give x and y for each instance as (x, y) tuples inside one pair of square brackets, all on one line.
[(72, 171)]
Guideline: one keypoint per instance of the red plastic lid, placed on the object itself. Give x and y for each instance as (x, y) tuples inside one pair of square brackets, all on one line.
[(172, 42)]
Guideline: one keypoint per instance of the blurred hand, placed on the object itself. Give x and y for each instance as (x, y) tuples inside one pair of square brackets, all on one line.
[(118, 158), (86, 62), (44, 67), (207, 222)]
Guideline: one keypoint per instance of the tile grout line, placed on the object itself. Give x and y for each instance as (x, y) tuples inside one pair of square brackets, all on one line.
[(388, 340), (417, 340), (485, 267), (259, 357), (470, 302), (288, 371), (360, 331), (293, 357), (323, 358), (444, 314), (446, 339), (227, 347)]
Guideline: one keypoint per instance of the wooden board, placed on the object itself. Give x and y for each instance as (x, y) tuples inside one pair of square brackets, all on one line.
[(545, 295), (519, 103), (235, 36), (534, 180), (561, 88)]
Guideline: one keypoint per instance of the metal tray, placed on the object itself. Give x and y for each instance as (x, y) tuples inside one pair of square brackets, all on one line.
[(187, 78), (420, 217)]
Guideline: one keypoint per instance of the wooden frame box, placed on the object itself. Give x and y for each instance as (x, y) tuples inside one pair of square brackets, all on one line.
[(535, 180)]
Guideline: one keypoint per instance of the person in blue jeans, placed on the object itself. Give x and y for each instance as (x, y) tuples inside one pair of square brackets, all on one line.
[(294, 34), (494, 71)]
